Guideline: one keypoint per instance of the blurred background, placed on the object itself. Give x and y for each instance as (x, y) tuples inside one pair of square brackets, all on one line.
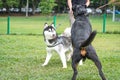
[(34, 7), (29, 16)]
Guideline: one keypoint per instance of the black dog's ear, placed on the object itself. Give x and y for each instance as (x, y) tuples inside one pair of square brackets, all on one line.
[(45, 25)]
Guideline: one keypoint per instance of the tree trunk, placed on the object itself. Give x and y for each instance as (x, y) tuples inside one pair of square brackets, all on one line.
[(33, 7), (113, 19), (27, 6)]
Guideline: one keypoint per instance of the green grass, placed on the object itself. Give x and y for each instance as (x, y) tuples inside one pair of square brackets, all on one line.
[(30, 25), (97, 24), (34, 25), (21, 56)]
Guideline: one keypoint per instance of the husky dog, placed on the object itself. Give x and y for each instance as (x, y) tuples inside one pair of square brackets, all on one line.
[(60, 44)]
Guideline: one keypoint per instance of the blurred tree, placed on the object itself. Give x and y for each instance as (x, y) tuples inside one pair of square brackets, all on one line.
[(9, 4), (61, 5), (34, 5), (1, 3), (47, 6), (115, 3), (22, 4), (12, 3)]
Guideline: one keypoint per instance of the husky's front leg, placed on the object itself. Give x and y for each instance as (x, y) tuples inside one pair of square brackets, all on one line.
[(70, 54), (49, 55), (63, 59)]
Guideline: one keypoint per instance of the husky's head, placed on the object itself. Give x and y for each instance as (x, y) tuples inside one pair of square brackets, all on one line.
[(49, 32)]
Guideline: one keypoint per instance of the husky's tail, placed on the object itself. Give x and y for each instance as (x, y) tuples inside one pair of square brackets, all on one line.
[(89, 40)]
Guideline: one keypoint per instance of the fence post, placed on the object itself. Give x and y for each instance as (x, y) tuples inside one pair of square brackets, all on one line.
[(8, 25), (104, 22), (104, 15)]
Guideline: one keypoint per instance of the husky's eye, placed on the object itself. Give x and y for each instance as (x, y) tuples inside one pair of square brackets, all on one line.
[(52, 29)]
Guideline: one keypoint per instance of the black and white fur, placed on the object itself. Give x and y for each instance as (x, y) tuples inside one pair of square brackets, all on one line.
[(67, 33), (60, 44)]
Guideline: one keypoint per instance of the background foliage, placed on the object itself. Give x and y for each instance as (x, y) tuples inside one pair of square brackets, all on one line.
[(47, 6)]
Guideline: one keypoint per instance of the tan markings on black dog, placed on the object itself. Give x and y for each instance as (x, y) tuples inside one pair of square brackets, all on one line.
[(83, 51)]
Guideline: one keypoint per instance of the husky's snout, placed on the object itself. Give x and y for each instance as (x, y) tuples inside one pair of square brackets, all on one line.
[(54, 35)]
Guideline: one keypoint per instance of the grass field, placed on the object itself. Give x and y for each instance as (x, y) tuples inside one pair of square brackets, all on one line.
[(34, 25), (21, 56)]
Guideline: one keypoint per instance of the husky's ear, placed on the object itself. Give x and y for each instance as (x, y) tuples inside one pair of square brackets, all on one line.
[(52, 25), (45, 25)]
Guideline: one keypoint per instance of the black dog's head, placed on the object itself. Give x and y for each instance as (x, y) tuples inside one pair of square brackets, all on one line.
[(79, 10)]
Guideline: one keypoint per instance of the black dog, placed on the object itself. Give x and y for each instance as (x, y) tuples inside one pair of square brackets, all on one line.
[(82, 36)]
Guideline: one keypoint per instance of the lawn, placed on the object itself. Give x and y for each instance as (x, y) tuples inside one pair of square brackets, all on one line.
[(34, 24), (21, 56)]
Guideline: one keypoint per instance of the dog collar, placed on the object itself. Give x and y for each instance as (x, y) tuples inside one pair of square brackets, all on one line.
[(57, 42), (53, 45)]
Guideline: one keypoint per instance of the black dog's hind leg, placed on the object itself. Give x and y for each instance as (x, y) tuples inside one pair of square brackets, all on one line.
[(74, 67), (75, 60), (92, 55)]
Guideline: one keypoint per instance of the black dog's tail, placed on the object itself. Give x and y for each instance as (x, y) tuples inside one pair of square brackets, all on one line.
[(89, 40)]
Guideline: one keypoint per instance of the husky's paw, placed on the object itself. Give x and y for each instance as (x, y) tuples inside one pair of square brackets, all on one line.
[(64, 67), (80, 63), (44, 65)]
